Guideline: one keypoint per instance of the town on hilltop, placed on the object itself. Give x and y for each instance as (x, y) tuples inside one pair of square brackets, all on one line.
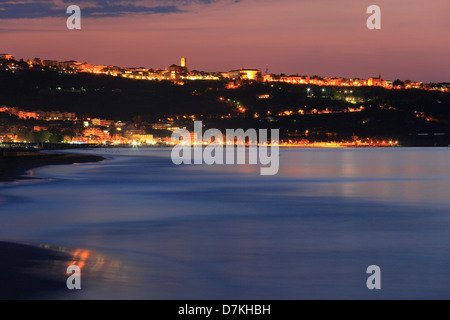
[(179, 73)]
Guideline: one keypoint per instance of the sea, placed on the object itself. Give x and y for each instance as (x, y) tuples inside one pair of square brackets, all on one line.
[(141, 227)]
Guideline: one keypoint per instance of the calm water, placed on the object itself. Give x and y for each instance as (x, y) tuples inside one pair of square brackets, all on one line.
[(148, 229)]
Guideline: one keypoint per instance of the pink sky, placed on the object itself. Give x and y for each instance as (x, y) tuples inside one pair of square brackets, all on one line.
[(327, 37)]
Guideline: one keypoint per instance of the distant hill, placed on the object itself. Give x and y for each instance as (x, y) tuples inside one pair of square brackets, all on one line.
[(415, 117), (104, 96)]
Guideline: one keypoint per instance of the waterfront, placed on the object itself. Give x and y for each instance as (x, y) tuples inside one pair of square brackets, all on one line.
[(157, 231)]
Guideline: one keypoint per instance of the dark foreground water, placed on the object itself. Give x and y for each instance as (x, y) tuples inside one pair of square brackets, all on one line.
[(148, 229)]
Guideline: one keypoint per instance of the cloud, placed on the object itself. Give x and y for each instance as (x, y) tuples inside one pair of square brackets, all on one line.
[(26, 9)]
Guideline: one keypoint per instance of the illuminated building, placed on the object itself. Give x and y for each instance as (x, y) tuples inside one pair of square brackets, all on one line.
[(388, 84), (96, 134), (375, 81), (245, 74), (50, 63), (268, 78), (27, 115), (40, 128), (175, 70), (40, 115), (134, 132), (164, 126), (335, 82), (295, 79), (412, 85), (70, 65), (6, 57), (144, 138), (101, 122), (317, 81), (359, 82)]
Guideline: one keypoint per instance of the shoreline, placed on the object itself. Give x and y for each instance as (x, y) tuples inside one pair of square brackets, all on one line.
[(15, 164), (29, 271)]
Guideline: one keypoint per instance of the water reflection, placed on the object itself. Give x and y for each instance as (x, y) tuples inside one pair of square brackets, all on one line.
[(225, 232), (91, 264)]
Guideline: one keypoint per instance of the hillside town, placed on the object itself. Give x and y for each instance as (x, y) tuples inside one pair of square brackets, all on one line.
[(314, 97), (181, 73)]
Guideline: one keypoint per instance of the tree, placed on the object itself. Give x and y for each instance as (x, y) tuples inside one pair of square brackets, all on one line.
[(56, 138), (42, 136), (398, 82)]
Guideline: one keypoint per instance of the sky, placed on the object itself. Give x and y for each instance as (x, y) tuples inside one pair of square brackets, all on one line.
[(307, 37)]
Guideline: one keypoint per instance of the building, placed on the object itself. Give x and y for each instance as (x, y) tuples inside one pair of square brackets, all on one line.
[(143, 138), (177, 69), (375, 82), (164, 126), (50, 63), (359, 82), (335, 82), (101, 122), (96, 134), (37, 61), (40, 128), (70, 65), (27, 115), (292, 79), (130, 133), (56, 115), (412, 85), (245, 74), (6, 56)]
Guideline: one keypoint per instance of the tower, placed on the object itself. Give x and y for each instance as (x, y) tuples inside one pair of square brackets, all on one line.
[(183, 62)]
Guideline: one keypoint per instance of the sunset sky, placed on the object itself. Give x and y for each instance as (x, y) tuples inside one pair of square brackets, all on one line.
[(324, 37)]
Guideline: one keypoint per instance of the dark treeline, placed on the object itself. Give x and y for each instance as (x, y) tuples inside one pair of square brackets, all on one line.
[(103, 96)]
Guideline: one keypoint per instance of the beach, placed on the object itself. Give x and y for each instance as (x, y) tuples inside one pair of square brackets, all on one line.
[(29, 271), (14, 164)]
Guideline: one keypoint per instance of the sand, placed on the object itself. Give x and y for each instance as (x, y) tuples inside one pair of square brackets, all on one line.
[(27, 271), (30, 272), (15, 164)]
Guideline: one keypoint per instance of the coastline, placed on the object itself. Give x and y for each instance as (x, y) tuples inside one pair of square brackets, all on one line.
[(15, 164), (29, 272)]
